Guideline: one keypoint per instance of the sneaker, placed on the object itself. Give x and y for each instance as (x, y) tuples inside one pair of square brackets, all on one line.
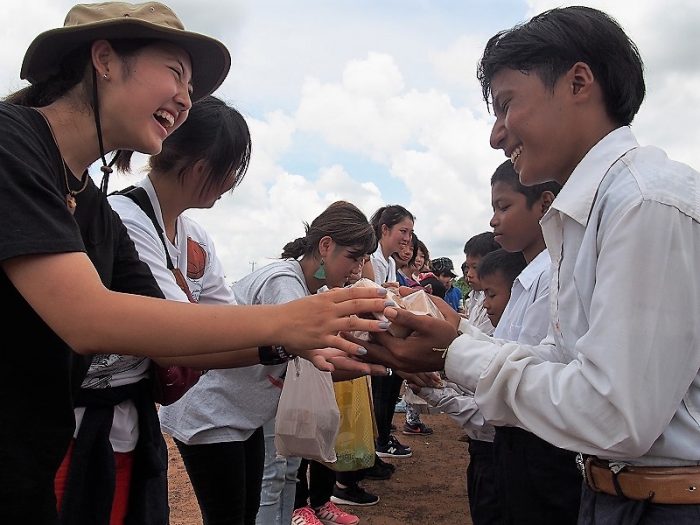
[(377, 472), (329, 514), (305, 516), (419, 428), (392, 439), (379, 461), (393, 449), (353, 495)]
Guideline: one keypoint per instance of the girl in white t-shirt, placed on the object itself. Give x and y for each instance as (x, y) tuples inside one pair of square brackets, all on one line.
[(393, 226)]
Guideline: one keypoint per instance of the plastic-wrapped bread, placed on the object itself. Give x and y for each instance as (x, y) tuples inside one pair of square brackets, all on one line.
[(418, 302), (390, 293)]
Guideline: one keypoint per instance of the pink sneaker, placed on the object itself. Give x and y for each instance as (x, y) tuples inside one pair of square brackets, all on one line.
[(329, 514), (305, 516)]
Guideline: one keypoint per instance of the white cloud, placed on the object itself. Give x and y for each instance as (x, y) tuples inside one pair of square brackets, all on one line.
[(377, 76), (330, 88)]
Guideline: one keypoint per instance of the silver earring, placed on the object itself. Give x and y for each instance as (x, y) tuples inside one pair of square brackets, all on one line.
[(106, 76)]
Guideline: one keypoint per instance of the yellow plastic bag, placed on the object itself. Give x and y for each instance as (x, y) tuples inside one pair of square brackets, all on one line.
[(354, 445)]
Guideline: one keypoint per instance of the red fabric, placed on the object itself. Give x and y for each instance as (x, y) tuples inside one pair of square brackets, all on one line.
[(62, 476), (123, 464)]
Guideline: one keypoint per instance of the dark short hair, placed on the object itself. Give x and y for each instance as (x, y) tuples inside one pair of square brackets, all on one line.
[(414, 244), (422, 247), (214, 132), (553, 41), (480, 245), (506, 174), (508, 264)]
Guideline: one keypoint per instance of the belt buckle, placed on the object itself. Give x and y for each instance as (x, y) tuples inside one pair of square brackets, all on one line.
[(581, 465)]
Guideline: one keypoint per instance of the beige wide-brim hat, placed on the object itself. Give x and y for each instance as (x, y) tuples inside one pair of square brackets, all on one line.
[(120, 20)]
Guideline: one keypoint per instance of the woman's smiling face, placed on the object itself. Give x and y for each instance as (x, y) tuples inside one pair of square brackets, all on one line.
[(399, 235)]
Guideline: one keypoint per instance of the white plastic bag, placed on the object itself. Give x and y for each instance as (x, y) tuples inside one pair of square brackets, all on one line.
[(307, 419)]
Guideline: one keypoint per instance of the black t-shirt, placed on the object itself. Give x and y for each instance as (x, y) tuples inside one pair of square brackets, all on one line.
[(40, 372)]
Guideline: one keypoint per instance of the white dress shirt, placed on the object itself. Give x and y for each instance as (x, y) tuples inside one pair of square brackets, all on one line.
[(477, 314), (384, 268), (621, 380), (525, 319), (526, 316)]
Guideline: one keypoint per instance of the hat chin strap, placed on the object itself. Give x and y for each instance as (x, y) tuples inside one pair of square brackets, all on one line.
[(105, 168)]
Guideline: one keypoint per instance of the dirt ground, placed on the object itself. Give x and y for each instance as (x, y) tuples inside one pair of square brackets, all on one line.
[(426, 488)]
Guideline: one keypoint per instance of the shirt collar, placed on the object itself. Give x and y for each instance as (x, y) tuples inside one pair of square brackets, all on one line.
[(533, 270), (576, 197)]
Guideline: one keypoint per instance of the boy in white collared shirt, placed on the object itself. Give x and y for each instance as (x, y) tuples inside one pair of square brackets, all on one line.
[(474, 249), (497, 271), (618, 376), (521, 457)]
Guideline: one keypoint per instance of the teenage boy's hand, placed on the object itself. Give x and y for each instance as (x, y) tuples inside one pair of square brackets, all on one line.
[(449, 313), (417, 352), (422, 380)]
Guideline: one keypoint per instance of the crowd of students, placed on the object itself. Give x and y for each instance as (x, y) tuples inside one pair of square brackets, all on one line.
[(560, 359)]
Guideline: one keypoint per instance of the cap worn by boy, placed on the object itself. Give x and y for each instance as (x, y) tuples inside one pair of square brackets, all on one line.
[(443, 266)]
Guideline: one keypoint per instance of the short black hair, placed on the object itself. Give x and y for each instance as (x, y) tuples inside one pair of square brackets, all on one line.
[(505, 173), (480, 245), (553, 41), (509, 264), (422, 247), (214, 132)]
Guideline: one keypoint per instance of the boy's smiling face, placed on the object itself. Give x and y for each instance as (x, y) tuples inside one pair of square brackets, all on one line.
[(534, 125)]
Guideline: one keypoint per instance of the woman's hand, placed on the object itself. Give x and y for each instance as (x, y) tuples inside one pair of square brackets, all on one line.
[(332, 359), (314, 322)]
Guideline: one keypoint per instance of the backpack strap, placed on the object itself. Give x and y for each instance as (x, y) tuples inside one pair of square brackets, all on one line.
[(140, 197)]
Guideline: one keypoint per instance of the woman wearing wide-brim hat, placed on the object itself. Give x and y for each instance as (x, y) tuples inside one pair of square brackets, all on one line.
[(116, 77)]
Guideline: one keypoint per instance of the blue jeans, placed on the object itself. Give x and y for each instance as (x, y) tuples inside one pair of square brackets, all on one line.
[(412, 415), (278, 483)]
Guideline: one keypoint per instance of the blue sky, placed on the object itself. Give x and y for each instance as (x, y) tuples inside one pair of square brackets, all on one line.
[(376, 102)]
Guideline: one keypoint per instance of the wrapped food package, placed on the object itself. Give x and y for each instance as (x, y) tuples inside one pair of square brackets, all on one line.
[(418, 302)]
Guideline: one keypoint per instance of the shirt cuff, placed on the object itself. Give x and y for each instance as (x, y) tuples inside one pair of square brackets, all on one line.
[(469, 355)]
